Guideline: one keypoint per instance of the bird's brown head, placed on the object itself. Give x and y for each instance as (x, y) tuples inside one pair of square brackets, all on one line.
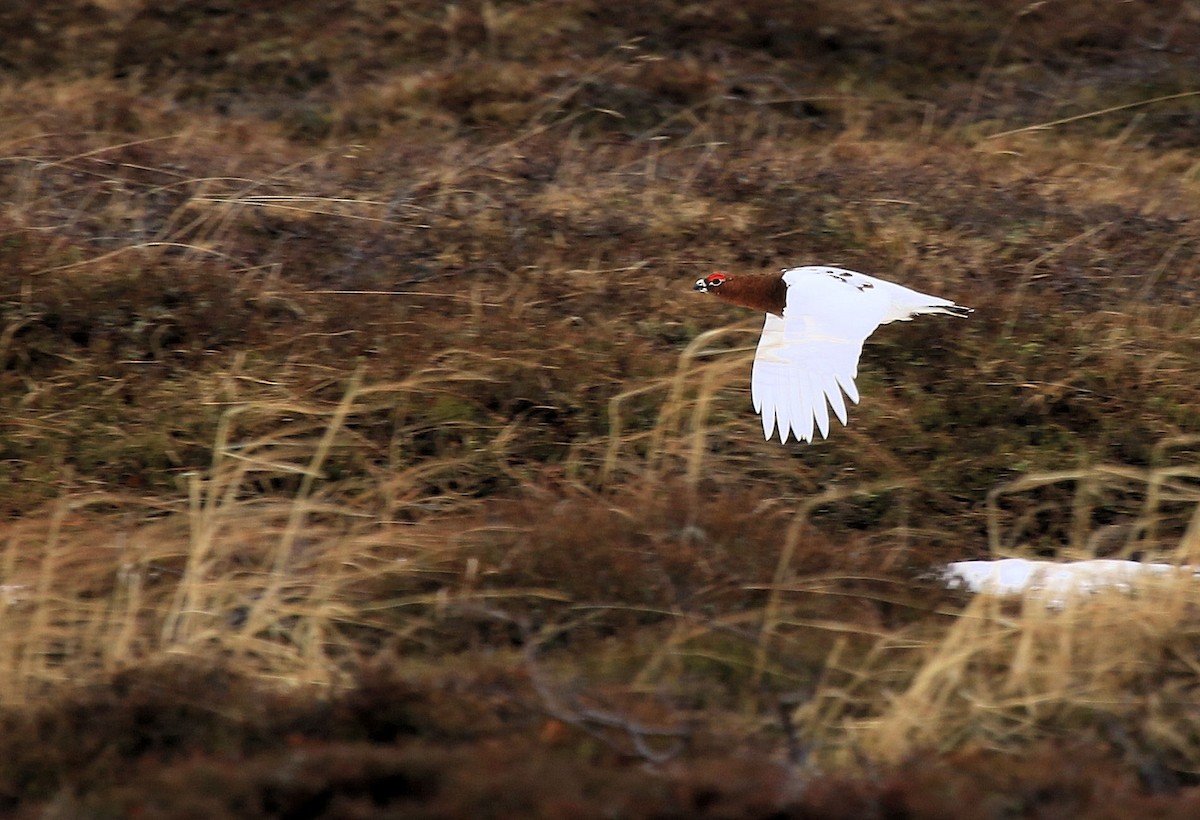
[(711, 282), (765, 292)]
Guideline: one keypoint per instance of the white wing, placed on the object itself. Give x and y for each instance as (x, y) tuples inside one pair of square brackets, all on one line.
[(807, 359)]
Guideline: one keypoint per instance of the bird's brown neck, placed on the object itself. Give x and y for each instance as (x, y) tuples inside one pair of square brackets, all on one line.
[(763, 292)]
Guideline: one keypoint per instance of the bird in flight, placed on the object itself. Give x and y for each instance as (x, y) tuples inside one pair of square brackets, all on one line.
[(817, 320)]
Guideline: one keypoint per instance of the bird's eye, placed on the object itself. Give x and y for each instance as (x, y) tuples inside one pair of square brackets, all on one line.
[(716, 279)]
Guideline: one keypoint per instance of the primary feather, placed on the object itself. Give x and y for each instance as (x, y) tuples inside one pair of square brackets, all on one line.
[(808, 355)]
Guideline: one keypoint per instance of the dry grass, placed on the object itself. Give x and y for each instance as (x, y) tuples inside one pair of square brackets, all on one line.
[(353, 355), (999, 672)]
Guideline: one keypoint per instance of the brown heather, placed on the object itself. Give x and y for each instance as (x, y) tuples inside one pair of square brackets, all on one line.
[(366, 452)]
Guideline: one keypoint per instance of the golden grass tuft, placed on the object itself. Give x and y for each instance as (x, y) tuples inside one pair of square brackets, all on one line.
[(1002, 673), (263, 562)]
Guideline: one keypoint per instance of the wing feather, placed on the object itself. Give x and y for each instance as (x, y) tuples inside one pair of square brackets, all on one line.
[(820, 405), (809, 357), (835, 397), (802, 417), (768, 421), (769, 380), (848, 386)]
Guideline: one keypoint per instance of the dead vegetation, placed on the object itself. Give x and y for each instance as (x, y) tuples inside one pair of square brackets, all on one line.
[(365, 452)]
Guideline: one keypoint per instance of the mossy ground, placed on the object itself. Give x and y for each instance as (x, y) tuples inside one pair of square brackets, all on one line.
[(366, 452)]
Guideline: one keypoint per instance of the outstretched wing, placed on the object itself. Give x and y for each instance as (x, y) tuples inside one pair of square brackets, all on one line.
[(809, 358)]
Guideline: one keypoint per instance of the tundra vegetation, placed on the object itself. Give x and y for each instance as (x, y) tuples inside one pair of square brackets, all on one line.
[(365, 451)]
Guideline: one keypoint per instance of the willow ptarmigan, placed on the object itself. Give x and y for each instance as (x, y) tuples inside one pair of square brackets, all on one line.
[(817, 320)]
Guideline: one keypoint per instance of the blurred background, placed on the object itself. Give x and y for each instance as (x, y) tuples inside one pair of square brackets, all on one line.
[(365, 450)]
